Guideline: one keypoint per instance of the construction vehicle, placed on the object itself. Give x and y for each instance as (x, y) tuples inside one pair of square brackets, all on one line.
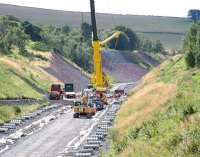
[(98, 79), (97, 101), (103, 98), (119, 92), (55, 92), (69, 95), (84, 108), (90, 86)]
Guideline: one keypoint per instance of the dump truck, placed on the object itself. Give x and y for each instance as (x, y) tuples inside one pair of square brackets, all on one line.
[(69, 95), (55, 92)]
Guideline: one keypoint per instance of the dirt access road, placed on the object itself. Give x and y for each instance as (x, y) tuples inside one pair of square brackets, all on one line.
[(52, 139)]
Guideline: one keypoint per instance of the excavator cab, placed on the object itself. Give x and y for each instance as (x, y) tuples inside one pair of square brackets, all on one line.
[(85, 109)]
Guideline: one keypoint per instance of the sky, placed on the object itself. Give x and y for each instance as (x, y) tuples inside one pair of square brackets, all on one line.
[(178, 8)]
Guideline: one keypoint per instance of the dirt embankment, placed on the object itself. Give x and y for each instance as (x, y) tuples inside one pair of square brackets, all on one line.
[(65, 72), (121, 69)]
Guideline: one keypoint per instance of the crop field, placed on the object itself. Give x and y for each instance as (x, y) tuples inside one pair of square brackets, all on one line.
[(170, 30), (170, 41)]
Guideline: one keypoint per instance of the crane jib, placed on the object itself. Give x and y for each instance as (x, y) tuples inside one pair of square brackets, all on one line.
[(93, 19)]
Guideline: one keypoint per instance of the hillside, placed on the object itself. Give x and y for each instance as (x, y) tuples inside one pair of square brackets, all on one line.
[(170, 30), (122, 69), (25, 77), (161, 116), (56, 52), (65, 72), (22, 77)]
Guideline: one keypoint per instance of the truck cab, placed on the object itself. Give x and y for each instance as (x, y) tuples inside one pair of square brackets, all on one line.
[(69, 95), (97, 101), (55, 92)]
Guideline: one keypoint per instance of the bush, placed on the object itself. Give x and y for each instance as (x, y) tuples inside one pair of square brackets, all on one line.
[(121, 145), (12, 34), (191, 143), (127, 41), (32, 30), (189, 110), (133, 133), (174, 141), (40, 46), (17, 110), (191, 46), (151, 46), (190, 60), (149, 129)]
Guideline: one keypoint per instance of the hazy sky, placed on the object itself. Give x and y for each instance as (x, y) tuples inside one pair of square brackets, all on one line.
[(141, 7)]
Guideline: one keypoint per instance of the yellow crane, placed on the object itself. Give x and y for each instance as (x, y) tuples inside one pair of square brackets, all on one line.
[(98, 78)]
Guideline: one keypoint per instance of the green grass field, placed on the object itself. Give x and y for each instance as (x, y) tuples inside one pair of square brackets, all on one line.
[(8, 113), (167, 29), (170, 41), (162, 116), (21, 77), (15, 85)]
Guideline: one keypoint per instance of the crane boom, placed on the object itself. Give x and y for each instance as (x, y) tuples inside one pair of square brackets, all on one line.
[(98, 79), (115, 35), (93, 19)]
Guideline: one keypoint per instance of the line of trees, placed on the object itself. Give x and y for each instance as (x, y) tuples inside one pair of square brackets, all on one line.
[(12, 35), (130, 41), (15, 34), (72, 43)]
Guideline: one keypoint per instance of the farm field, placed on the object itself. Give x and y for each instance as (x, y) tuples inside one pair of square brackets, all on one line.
[(169, 30)]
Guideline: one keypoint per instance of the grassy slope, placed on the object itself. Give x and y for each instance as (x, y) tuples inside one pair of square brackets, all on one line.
[(21, 77), (153, 27), (8, 113), (161, 117)]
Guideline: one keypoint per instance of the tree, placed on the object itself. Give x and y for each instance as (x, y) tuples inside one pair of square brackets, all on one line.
[(32, 30), (147, 45), (86, 30), (66, 29), (127, 41), (191, 46), (194, 14), (12, 34), (158, 47), (122, 43), (190, 59)]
